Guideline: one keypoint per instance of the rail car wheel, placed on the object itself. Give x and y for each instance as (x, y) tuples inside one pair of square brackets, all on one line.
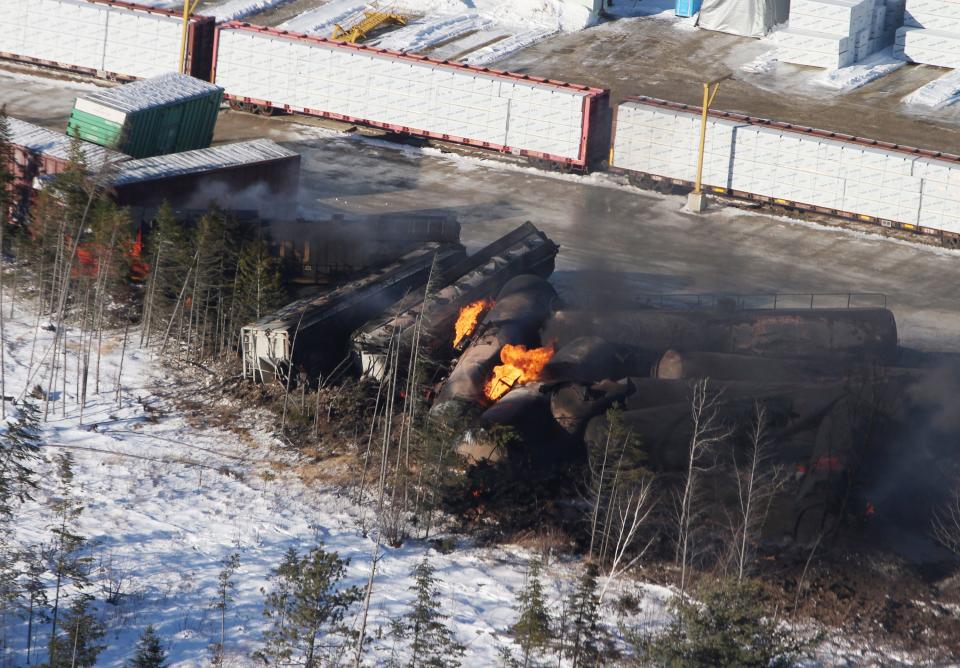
[(664, 187), (262, 110)]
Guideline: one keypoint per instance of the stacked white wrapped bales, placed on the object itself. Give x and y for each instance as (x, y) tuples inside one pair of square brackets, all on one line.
[(931, 33), (834, 33)]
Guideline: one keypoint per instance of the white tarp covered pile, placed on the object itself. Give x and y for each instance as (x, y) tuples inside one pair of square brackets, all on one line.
[(749, 18), (931, 33), (833, 33)]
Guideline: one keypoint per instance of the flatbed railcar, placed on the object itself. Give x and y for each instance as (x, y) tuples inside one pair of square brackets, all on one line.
[(267, 70), (908, 184), (107, 39)]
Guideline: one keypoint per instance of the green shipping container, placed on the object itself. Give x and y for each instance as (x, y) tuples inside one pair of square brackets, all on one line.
[(166, 114)]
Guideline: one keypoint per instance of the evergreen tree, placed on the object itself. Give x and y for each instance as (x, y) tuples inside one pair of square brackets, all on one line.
[(7, 194), (307, 607), (728, 627), (35, 590), (170, 255), (583, 605), (277, 606), (226, 588), (532, 630), (66, 559), (19, 448), (78, 645), (150, 652), (259, 289), (431, 642)]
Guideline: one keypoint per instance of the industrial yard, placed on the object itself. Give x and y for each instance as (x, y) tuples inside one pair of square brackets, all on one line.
[(430, 287)]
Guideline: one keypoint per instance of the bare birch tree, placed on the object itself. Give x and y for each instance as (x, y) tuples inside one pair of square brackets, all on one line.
[(757, 482), (631, 510), (946, 523), (707, 431)]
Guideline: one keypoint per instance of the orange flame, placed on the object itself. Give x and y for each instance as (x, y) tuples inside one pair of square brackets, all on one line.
[(520, 366), (468, 319)]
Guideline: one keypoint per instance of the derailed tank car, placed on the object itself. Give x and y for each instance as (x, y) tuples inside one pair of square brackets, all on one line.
[(313, 333), (525, 250)]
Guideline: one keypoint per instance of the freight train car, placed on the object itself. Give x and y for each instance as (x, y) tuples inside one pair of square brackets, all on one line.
[(164, 114), (268, 69), (313, 333), (39, 152), (792, 166), (103, 38), (251, 174)]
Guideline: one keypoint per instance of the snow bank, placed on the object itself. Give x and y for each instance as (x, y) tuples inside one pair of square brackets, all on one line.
[(233, 10), (937, 94), (420, 36), (322, 19), (548, 16), (859, 74), (504, 47)]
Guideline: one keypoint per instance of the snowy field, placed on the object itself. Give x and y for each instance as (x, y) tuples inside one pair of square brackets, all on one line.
[(167, 496)]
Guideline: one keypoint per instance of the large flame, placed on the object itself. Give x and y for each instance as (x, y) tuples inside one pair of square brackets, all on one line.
[(520, 366), (468, 319)]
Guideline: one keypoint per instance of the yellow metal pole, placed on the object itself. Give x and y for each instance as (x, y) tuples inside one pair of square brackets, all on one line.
[(188, 9), (707, 101)]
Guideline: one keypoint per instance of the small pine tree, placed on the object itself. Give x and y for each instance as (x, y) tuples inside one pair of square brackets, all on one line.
[(307, 607), (583, 605), (226, 588), (78, 645), (7, 194), (431, 642), (259, 286), (67, 561), (277, 606), (35, 590), (532, 630), (150, 652), (19, 447), (728, 626)]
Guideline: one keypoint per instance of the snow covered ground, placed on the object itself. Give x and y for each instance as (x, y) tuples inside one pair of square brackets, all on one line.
[(168, 495), (937, 94), (869, 69), (478, 30), (232, 10), (222, 10)]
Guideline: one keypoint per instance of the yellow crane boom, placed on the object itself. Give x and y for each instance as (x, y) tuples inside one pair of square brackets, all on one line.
[(371, 20)]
